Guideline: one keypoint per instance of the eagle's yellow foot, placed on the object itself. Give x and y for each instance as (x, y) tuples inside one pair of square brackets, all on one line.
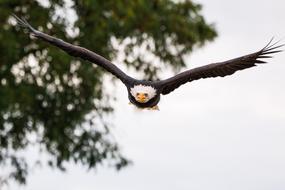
[(130, 103), (154, 108)]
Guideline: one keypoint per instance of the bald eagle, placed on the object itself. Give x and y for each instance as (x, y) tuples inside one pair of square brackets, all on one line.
[(144, 93)]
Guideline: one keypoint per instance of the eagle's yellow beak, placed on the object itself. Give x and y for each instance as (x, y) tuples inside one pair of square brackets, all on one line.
[(141, 97)]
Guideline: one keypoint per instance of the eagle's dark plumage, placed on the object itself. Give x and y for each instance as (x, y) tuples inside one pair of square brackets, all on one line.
[(220, 69), (146, 94)]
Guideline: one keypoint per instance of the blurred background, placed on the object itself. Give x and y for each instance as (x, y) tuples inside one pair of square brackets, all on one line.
[(67, 123)]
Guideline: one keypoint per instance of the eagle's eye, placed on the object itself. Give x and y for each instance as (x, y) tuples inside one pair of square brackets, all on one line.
[(146, 94), (138, 94)]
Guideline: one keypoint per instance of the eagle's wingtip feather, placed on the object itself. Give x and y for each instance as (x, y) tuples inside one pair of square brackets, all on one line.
[(23, 23), (270, 48)]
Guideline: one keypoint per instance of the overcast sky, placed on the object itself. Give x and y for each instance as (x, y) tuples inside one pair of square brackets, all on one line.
[(218, 134)]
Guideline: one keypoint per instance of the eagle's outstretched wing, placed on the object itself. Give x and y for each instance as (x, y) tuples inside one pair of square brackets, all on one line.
[(220, 69), (77, 51)]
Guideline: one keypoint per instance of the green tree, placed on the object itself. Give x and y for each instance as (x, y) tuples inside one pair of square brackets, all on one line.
[(57, 103)]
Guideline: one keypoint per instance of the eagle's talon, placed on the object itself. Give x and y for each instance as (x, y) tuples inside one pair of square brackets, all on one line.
[(155, 108)]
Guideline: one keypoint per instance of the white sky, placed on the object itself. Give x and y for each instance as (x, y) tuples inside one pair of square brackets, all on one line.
[(216, 134)]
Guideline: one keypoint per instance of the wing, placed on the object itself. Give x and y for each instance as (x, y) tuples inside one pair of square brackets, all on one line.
[(220, 69), (77, 51)]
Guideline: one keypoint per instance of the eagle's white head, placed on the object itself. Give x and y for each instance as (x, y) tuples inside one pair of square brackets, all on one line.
[(143, 93)]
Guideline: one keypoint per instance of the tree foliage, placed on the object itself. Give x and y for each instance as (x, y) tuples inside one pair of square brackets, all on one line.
[(58, 103)]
